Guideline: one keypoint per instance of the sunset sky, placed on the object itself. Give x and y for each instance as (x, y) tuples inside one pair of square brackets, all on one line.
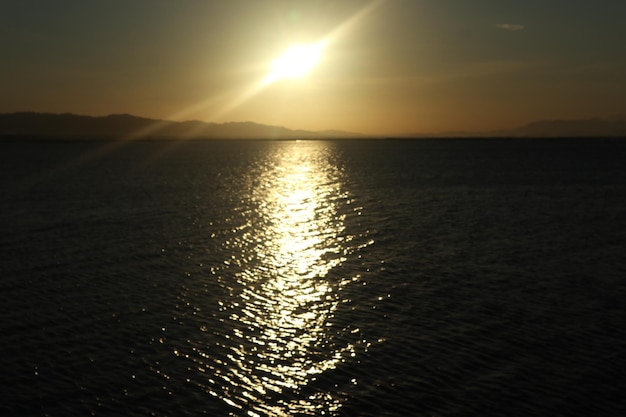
[(387, 67)]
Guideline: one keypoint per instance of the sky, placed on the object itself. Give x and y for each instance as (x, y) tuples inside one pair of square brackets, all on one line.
[(386, 67)]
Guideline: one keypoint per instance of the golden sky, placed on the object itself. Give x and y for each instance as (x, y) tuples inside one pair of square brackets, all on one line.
[(387, 67)]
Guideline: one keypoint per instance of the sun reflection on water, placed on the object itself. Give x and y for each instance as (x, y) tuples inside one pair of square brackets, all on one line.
[(276, 332)]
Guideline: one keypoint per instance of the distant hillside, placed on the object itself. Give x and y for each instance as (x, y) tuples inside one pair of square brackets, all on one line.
[(612, 127), (71, 126)]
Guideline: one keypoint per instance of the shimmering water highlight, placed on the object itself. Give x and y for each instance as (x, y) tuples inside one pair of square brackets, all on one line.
[(280, 302)]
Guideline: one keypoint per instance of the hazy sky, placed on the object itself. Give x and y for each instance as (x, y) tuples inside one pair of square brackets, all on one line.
[(388, 67)]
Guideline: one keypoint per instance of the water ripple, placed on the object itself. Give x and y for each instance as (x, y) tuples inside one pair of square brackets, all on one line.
[(278, 322)]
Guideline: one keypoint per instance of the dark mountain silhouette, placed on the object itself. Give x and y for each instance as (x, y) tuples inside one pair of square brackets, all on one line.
[(610, 127), (125, 126), (614, 126)]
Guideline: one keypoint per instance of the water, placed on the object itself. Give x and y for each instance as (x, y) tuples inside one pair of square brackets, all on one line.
[(366, 278)]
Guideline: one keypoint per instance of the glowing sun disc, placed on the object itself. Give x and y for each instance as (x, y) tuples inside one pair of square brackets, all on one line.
[(297, 61)]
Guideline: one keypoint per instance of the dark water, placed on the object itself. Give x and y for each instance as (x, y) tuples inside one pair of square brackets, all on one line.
[(367, 278)]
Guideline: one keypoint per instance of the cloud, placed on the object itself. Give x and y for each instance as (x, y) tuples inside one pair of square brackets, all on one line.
[(511, 27)]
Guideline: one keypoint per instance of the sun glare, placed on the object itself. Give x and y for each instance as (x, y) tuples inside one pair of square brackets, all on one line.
[(297, 61)]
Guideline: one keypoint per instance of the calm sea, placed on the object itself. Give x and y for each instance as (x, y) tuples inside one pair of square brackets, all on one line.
[(285, 278)]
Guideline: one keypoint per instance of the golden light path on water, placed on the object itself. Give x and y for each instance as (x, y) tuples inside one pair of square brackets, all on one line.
[(276, 333), (293, 306)]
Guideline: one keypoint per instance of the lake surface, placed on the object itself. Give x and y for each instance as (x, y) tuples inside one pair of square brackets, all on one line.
[(337, 278)]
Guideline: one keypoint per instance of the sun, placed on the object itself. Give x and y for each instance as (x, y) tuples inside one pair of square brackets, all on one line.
[(297, 61)]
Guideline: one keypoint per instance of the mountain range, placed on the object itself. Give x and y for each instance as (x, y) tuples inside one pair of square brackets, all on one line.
[(125, 126), (614, 126), (610, 127)]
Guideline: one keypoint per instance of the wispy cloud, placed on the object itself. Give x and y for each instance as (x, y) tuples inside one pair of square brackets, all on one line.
[(510, 27)]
